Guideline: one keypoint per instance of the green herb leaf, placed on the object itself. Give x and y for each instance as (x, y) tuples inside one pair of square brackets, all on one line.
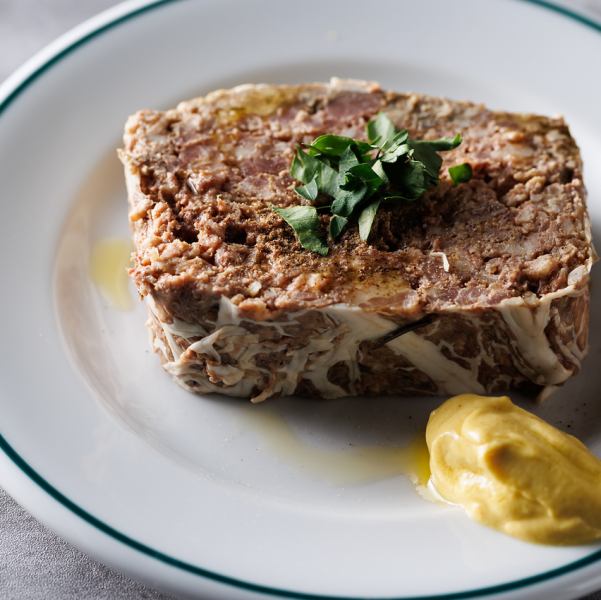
[(425, 153), (332, 145), (348, 159), (366, 219), (460, 173), (395, 153), (378, 169), (411, 180), (347, 200), (368, 176), (380, 131), (304, 167), (337, 226), (445, 143), (400, 137), (305, 222), (327, 179), (308, 191)]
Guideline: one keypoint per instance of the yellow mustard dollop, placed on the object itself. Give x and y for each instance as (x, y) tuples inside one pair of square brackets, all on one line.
[(513, 471)]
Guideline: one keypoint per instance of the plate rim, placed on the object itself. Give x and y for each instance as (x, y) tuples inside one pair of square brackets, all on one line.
[(10, 89)]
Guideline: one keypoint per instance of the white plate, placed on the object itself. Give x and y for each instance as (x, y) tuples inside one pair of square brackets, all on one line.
[(198, 495)]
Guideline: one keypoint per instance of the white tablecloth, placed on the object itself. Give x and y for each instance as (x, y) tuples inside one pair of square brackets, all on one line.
[(35, 563)]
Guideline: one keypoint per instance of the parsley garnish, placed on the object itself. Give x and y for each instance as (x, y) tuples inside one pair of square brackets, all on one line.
[(358, 177), (305, 222), (460, 173)]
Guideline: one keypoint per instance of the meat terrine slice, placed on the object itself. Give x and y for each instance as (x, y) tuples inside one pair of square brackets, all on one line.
[(493, 274)]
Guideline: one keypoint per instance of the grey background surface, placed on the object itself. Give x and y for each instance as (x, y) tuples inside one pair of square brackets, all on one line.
[(34, 562)]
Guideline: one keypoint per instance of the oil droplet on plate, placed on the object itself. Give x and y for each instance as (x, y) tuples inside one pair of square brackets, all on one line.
[(108, 270), (348, 465)]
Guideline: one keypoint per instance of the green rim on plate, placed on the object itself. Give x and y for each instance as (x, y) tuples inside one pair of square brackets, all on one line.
[(16, 458)]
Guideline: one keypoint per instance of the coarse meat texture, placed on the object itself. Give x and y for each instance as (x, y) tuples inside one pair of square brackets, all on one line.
[(499, 266)]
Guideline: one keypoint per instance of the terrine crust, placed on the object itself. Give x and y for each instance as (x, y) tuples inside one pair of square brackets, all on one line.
[(238, 307)]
